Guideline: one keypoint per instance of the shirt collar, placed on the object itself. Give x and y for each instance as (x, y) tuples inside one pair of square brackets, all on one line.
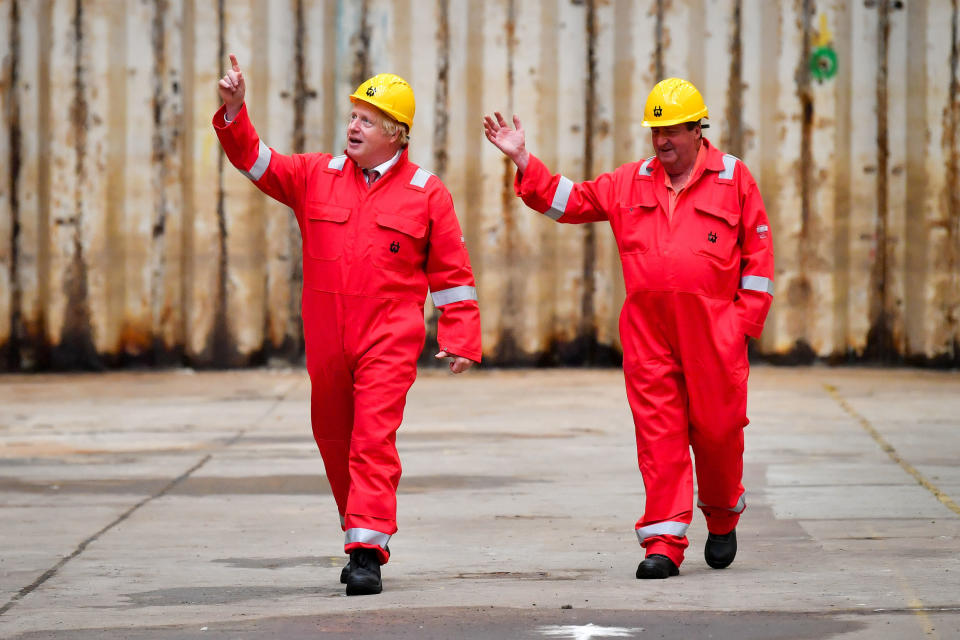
[(385, 166)]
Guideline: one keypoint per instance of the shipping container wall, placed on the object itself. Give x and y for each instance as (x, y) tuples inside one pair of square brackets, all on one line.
[(125, 236)]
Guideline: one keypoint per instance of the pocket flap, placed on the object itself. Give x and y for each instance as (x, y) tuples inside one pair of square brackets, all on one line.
[(409, 226), (728, 216), (643, 205), (328, 212)]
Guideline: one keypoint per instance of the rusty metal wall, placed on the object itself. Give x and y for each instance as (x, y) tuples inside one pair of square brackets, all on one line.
[(126, 238)]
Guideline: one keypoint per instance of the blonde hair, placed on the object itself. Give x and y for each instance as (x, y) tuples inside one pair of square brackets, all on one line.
[(389, 126)]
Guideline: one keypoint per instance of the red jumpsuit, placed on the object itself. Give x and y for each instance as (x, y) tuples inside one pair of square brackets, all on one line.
[(698, 283), (369, 255)]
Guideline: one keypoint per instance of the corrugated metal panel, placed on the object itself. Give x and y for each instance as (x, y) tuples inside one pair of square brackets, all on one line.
[(125, 237)]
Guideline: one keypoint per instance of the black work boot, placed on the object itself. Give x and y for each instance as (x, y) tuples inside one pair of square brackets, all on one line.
[(656, 567), (364, 575), (720, 550), (345, 572)]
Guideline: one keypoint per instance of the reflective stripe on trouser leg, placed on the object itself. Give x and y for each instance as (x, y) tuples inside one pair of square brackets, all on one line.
[(678, 529), (737, 508), (366, 537)]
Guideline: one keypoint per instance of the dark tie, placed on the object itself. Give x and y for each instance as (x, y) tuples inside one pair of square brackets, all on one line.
[(372, 176)]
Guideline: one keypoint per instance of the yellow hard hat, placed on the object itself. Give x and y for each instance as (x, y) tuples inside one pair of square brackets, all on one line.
[(673, 101), (391, 94)]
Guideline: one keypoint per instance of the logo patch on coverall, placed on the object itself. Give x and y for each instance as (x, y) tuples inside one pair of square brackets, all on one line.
[(762, 230), (394, 247), (712, 237)]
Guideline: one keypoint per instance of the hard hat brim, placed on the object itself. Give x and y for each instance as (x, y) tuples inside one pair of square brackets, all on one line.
[(390, 112)]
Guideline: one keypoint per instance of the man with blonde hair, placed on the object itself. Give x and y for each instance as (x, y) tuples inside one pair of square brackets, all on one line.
[(377, 231)]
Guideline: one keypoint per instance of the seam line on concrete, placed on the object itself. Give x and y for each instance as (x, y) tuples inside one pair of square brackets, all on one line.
[(890, 451), (52, 571)]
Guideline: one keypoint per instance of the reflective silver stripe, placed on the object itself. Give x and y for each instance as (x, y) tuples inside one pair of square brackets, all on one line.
[(560, 198), (367, 536), (668, 528), (737, 508), (337, 162), (453, 294), (420, 178), (757, 283), (729, 164), (260, 166), (645, 169)]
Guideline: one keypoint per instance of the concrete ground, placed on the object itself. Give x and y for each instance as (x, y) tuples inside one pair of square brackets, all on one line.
[(193, 505)]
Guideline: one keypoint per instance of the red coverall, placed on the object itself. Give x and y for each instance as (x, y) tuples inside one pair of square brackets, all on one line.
[(697, 283), (369, 255)]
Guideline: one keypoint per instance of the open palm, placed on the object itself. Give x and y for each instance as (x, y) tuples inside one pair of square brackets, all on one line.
[(512, 142)]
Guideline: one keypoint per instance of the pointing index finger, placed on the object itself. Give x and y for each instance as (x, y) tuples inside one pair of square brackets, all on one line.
[(233, 61)]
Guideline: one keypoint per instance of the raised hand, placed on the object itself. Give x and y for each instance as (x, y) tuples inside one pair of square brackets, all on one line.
[(512, 142), (232, 88)]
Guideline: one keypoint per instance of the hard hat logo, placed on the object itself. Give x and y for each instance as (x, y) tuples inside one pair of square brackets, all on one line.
[(390, 94), (673, 101)]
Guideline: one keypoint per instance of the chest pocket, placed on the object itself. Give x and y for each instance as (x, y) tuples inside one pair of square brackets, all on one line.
[(398, 242), (715, 232), (325, 230), (638, 227)]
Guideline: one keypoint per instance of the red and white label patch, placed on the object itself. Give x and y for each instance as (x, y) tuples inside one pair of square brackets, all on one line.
[(762, 230)]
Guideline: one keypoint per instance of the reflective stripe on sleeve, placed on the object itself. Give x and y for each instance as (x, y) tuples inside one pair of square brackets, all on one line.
[(737, 508), (337, 162), (560, 198), (668, 528), (729, 164), (260, 166), (757, 283), (420, 178), (453, 294), (645, 169), (367, 536)]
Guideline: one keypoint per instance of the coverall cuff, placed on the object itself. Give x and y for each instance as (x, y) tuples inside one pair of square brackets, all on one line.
[(219, 118), (751, 329), (533, 164)]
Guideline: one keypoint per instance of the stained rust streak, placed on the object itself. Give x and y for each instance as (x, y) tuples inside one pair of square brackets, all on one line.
[(916, 235), (76, 349), (11, 84), (135, 344), (221, 347), (508, 348), (658, 37), (361, 41), (441, 106), (880, 344), (952, 142), (588, 320), (301, 93), (734, 114)]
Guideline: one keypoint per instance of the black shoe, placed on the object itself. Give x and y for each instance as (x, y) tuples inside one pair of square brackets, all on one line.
[(720, 550), (345, 572), (657, 567), (364, 576)]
